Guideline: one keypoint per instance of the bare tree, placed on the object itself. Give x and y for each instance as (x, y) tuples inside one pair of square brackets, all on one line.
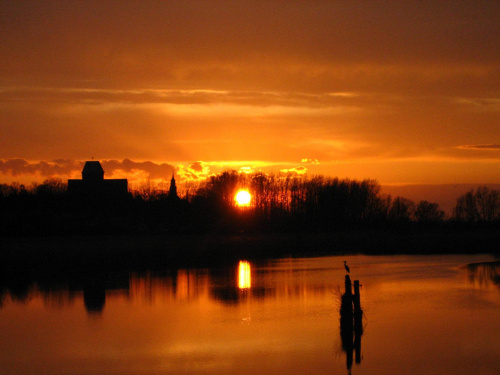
[(402, 209), (481, 205), (51, 186), (488, 203), (427, 212)]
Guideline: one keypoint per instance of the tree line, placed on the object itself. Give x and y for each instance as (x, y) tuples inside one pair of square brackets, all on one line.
[(282, 202), (321, 201)]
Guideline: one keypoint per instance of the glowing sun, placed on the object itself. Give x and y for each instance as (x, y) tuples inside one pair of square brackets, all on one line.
[(243, 198)]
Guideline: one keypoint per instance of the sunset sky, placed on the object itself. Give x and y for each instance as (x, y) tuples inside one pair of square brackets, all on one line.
[(404, 92)]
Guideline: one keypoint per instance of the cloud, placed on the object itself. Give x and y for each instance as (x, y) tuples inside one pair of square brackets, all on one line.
[(309, 161), (196, 171), (196, 166), (180, 103), (67, 168), (60, 167), (483, 103), (247, 170), (480, 147), (134, 171), (149, 169), (295, 170), (174, 43)]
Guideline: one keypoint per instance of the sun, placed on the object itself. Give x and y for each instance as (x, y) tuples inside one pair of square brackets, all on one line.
[(243, 198)]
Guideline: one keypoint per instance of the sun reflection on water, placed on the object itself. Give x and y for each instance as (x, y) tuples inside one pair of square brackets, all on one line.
[(244, 275)]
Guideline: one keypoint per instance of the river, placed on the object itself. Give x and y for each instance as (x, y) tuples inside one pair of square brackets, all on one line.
[(421, 315)]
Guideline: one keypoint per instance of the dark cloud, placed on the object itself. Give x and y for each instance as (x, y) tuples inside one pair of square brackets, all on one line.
[(168, 42), (18, 167), (152, 170), (67, 168), (196, 166), (136, 98)]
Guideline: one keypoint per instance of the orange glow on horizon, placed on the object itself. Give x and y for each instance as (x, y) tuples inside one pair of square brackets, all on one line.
[(353, 102), (244, 275)]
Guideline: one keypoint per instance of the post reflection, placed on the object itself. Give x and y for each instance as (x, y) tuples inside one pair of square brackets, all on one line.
[(351, 323), (484, 273), (244, 275), (94, 295)]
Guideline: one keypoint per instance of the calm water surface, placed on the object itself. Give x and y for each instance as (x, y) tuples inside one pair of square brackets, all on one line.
[(422, 315)]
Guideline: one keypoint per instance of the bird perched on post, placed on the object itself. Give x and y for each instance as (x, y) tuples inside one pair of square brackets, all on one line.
[(346, 266)]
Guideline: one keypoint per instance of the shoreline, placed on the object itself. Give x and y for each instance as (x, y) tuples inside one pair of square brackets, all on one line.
[(73, 253)]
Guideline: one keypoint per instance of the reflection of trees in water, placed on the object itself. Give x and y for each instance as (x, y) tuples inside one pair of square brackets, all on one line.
[(484, 273), (59, 291), (19, 290), (3, 294), (219, 284)]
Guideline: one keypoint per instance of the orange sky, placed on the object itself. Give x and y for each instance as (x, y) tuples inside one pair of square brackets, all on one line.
[(398, 91)]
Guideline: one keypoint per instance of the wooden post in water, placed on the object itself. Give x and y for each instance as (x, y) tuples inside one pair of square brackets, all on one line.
[(348, 288), (346, 311)]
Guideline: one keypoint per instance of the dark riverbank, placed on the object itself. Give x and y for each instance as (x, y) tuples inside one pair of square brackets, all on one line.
[(66, 254)]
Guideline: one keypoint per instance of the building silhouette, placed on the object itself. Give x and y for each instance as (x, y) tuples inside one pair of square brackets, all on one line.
[(94, 185)]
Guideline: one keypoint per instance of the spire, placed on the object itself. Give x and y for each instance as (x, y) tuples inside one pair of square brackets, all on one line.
[(173, 189)]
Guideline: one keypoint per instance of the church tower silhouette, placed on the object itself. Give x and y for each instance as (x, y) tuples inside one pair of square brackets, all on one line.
[(172, 194)]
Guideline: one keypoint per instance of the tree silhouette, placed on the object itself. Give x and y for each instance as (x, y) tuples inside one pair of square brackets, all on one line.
[(280, 202), (488, 203), (481, 205), (427, 212), (466, 207), (402, 209)]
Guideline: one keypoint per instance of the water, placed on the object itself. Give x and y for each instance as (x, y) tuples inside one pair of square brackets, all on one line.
[(422, 315)]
